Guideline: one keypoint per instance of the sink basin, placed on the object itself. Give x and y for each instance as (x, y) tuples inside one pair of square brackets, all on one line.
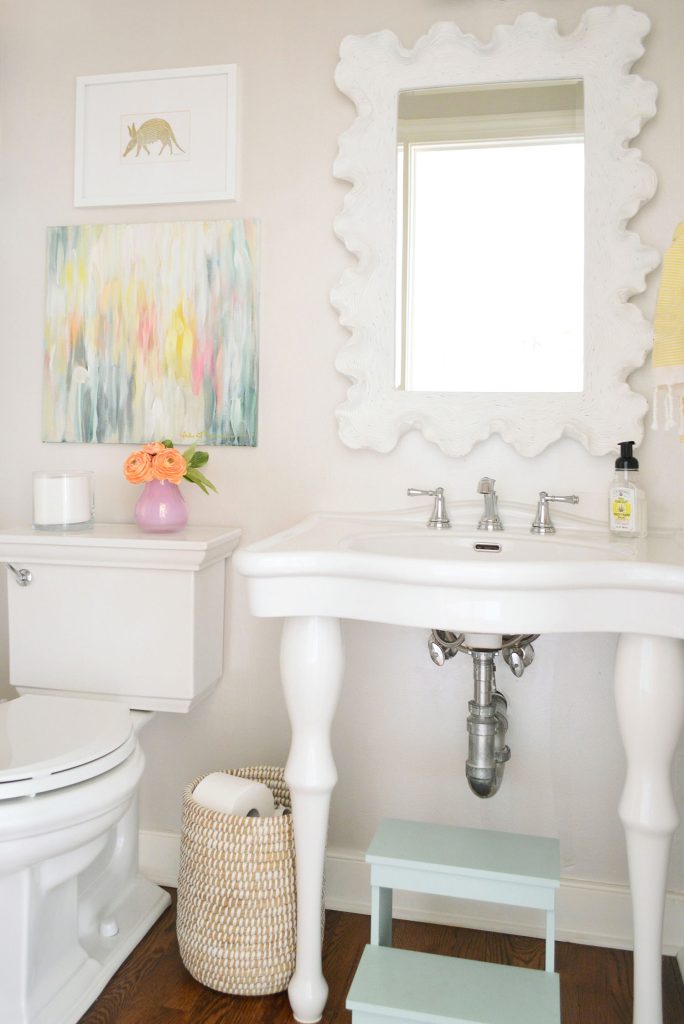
[(390, 567), (484, 547)]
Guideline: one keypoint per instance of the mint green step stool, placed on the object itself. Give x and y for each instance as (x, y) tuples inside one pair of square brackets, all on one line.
[(469, 863), (396, 986)]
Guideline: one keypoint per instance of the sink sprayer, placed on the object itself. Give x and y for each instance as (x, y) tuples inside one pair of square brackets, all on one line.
[(487, 722)]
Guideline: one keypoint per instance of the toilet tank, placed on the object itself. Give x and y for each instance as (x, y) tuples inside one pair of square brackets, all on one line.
[(118, 614)]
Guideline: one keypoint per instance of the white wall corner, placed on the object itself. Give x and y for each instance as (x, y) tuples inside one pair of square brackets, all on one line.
[(590, 913)]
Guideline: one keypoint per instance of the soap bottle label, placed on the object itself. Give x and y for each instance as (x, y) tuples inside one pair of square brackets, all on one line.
[(623, 510)]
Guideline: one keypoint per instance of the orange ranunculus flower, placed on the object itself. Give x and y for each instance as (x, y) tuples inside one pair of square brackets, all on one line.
[(169, 465), (138, 468), (154, 448)]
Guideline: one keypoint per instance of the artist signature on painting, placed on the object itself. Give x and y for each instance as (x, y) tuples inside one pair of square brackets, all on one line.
[(201, 435)]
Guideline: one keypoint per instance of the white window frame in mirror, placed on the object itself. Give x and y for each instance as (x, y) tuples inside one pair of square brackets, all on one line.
[(372, 71)]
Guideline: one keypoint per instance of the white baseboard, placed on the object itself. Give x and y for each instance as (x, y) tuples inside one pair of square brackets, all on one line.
[(591, 913)]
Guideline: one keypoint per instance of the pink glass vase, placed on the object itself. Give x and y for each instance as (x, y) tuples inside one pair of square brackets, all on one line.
[(161, 508)]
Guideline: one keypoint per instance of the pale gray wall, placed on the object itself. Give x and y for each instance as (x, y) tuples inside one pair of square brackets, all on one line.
[(399, 735)]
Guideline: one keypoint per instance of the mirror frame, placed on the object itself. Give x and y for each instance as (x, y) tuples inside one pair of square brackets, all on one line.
[(372, 71)]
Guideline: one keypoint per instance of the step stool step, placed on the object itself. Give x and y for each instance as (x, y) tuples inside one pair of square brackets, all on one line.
[(392, 986), (480, 853), (466, 863)]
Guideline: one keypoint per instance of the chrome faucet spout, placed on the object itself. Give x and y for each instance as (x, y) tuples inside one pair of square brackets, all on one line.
[(490, 520)]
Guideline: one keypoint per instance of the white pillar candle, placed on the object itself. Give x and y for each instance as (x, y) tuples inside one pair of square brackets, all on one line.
[(62, 500)]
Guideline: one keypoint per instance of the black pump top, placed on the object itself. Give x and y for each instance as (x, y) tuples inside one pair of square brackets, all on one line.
[(626, 459)]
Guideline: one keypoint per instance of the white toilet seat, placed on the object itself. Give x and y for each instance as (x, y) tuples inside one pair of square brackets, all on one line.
[(48, 743)]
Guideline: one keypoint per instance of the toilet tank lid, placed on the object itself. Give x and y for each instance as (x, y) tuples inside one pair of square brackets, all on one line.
[(120, 546), (42, 735)]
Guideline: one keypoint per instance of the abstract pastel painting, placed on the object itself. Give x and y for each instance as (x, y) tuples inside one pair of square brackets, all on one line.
[(151, 331)]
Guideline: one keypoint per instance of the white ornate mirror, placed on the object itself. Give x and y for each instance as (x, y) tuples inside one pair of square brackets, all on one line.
[(530, 105)]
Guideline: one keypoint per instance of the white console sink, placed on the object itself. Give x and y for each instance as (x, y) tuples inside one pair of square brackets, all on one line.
[(392, 568)]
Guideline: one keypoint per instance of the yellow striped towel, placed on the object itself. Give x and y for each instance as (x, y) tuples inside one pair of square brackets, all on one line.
[(668, 337)]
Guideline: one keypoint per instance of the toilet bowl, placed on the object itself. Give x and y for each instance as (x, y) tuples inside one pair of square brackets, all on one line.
[(92, 657), (73, 904)]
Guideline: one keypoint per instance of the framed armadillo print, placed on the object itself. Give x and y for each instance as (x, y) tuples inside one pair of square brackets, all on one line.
[(156, 137)]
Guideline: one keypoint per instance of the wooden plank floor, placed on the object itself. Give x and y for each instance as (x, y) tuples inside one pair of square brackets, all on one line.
[(153, 987)]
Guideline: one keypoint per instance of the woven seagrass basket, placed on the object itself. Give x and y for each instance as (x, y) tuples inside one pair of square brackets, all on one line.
[(236, 894)]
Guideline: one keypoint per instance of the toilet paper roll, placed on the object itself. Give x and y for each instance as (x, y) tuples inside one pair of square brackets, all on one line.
[(233, 795), (61, 500)]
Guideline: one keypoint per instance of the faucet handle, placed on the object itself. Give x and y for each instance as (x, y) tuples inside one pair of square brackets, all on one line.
[(439, 520), (486, 485), (542, 521)]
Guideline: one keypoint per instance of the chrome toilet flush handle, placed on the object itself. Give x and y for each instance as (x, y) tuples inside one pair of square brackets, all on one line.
[(542, 521), (22, 577), (439, 520)]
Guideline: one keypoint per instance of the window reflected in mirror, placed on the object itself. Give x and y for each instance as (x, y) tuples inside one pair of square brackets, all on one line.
[(490, 251)]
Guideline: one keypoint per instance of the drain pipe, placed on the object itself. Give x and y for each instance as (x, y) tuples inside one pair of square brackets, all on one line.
[(487, 721), (487, 725)]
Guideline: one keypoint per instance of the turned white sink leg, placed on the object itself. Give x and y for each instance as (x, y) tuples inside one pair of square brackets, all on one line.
[(649, 689), (311, 662)]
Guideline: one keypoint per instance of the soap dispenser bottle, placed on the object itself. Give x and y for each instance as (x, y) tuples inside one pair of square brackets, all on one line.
[(627, 504)]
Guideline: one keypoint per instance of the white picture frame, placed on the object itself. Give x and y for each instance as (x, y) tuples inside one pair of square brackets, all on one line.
[(151, 137)]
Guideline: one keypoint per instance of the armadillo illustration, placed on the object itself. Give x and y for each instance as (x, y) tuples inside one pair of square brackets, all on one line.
[(154, 130)]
